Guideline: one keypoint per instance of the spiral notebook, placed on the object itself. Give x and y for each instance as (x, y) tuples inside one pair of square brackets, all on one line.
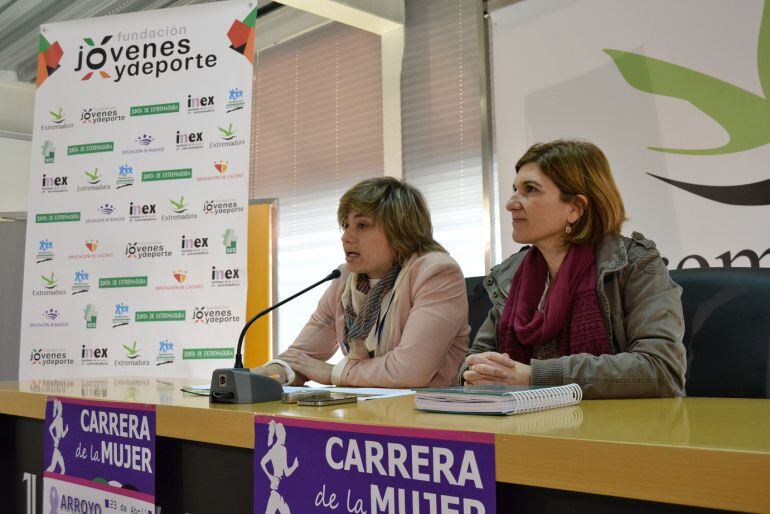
[(496, 399)]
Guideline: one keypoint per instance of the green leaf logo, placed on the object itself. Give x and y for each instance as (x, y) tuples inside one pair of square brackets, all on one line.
[(57, 117), (228, 133), (131, 351), (744, 115), (180, 206)]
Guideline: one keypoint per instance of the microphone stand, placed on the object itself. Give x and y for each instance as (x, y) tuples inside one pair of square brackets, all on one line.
[(241, 385)]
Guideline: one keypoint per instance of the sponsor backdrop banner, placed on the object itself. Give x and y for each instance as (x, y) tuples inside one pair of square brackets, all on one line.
[(100, 457), (675, 94), (312, 466), (138, 191)]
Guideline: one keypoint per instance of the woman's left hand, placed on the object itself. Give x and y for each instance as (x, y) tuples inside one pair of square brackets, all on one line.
[(314, 369)]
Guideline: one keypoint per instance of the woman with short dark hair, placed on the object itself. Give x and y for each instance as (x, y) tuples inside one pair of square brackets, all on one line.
[(398, 312), (583, 304)]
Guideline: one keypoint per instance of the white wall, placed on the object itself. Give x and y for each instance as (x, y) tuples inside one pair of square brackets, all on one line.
[(17, 102)]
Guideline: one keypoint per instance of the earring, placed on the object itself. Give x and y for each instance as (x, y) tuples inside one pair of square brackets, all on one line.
[(568, 229)]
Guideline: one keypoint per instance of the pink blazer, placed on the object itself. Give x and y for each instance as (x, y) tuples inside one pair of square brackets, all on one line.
[(430, 329)]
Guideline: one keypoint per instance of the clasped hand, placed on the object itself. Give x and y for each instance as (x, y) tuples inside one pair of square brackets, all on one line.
[(495, 368), (314, 369)]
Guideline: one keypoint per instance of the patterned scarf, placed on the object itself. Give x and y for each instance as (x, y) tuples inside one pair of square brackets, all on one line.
[(359, 325), (571, 314)]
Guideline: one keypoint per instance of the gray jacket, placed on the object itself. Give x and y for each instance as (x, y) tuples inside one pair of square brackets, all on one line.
[(642, 311)]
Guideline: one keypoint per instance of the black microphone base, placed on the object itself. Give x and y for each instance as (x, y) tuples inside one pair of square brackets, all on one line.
[(241, 385)]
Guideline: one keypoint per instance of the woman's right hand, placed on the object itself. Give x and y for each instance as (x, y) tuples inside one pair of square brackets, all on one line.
[(275, 371)]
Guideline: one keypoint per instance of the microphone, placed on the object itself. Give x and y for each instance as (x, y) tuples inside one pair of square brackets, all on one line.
[(241, 385)]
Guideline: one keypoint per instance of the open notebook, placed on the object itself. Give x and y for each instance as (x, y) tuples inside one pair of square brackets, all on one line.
[(496, 399)]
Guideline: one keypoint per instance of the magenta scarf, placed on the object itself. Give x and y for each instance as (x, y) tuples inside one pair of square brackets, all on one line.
[(571, 311)]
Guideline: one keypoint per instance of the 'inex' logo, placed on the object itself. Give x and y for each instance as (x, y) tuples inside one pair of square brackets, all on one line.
[(200, 104), (195, 245), (152, 59), (225, 277), (744, 115), (189, 140), (54, 184), (90, 356), (142, 212)]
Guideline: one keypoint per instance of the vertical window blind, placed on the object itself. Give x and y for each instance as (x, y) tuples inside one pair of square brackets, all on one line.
[(316, 131), (441, 123)]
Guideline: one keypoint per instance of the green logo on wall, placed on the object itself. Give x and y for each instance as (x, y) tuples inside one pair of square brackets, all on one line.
[(152, 176), (106, 146), (744, 115), (160, 316), (109, 282), (207, 353), (147, 110), (57, 217)]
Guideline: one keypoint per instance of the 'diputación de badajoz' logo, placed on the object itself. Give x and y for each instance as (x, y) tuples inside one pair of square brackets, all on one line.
[(150, 59), (51, 318), (744, 115), (143, 143)]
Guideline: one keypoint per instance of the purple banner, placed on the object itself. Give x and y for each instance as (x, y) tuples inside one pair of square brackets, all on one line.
[(105, 444), (310, 466)]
